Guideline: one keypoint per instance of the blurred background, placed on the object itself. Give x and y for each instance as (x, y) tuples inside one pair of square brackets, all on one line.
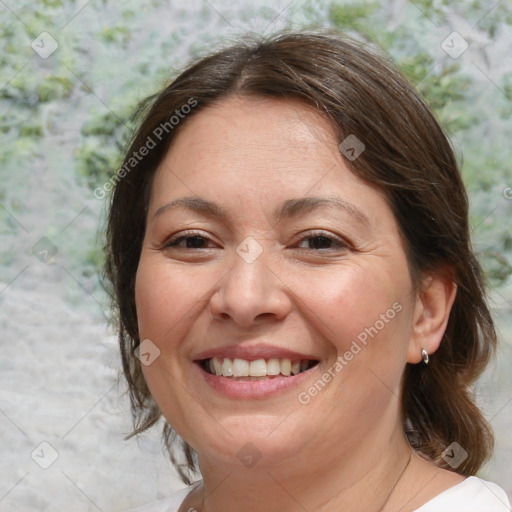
[(71, 74)]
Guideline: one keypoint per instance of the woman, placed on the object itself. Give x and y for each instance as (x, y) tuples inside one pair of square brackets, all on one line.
[(289, 250)]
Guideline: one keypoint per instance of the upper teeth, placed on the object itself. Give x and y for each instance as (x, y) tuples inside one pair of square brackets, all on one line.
[(259, 368)]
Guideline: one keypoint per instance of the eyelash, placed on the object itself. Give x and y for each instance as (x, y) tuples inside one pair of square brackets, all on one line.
[(336, 241), (174, 241)]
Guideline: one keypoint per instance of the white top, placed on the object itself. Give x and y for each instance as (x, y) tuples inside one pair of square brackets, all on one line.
[(471, 495)]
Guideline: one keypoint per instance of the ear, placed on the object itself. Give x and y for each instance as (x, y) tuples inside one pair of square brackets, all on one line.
[(431, 313)]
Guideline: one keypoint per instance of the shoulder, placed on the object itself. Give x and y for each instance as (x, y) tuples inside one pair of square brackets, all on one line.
[(170, 504), (471, 495)]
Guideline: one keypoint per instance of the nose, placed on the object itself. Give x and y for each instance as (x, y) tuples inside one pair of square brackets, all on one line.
[(250, 294)]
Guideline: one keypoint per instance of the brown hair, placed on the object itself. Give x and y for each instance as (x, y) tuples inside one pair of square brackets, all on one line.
[(407, 156)]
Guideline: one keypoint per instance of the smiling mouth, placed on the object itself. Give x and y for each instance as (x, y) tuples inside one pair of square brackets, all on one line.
[(259, 369)]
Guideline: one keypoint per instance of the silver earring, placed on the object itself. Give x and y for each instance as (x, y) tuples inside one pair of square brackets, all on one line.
[(424, 356)]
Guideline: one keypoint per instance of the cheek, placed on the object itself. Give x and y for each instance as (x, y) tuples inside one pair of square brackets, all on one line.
[(363, 312), (152, 301), (164, 297), (364, 318), (346, 301)]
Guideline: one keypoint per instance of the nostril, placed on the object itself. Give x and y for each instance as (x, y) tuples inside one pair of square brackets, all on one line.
[(265, 316)]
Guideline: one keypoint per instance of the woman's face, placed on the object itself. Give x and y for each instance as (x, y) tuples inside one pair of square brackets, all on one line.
[(264, 251)]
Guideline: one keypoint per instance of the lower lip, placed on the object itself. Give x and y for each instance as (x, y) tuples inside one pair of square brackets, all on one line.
[(254, 388)]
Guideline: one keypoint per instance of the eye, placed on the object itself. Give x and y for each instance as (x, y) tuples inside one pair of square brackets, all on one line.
[(321, 241), (188, 241)]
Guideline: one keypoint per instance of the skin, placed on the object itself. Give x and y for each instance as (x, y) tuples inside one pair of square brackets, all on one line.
[(324, 275)]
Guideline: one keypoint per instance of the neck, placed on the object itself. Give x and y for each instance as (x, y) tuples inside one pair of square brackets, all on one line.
[(327, 481)]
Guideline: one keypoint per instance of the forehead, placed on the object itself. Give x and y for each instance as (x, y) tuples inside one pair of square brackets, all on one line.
[(247, 126), (258, 151), (250, 138)]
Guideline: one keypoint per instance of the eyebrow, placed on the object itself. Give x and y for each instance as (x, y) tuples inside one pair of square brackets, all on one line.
[(294, 207), (193, 203), (289, 208)]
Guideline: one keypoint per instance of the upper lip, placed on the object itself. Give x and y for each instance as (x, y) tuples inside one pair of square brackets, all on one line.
[(253, 352)]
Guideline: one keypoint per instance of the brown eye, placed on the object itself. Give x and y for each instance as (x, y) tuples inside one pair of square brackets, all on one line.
[(191, 241), (194, 242), (320, 242)]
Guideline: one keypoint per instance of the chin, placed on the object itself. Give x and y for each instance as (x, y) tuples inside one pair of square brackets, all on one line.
[(265, 440)]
